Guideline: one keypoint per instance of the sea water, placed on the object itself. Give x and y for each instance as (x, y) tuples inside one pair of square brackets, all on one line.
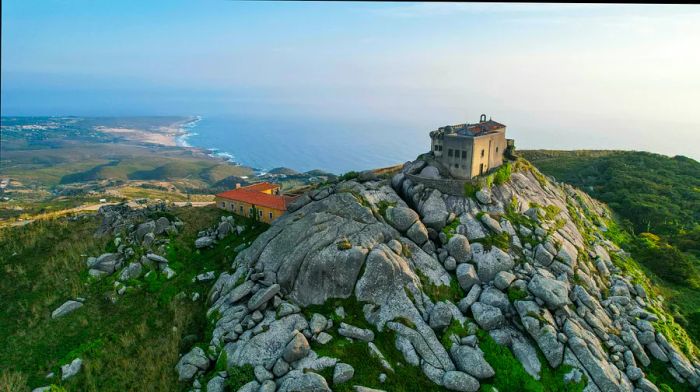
[(305, 144)]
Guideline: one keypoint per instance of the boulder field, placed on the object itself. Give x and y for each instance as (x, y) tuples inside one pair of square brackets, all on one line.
[(525, 261)]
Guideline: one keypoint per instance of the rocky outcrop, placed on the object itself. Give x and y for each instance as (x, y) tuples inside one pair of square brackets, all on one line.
[(401, 251)]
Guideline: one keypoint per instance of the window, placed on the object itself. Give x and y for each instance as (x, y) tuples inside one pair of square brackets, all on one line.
[(449, 152), (223, 204), (241, 209), (270, 216), (496, 149), (464, 154), (250, 212), (482, 152), (456, 166), (440, 147), (260, 213)]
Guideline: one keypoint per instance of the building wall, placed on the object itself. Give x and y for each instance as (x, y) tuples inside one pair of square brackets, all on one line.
[(243, 209), (463, 155), (457, 155), (493, 146)]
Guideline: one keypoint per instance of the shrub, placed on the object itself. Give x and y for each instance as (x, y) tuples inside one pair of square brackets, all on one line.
[(470, 190), (239, 376), (502, 174), (344, 244), (351, 175), (515, 294)]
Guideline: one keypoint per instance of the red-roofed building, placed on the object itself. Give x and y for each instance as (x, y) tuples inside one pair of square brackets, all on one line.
[(262, 199)]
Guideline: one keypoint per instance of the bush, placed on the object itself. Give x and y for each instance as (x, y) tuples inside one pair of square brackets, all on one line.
[(502, 174), (351, 175), (515, 294), (239, 376)]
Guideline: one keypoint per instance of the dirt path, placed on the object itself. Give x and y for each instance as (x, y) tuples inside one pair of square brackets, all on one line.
[(93, 207)]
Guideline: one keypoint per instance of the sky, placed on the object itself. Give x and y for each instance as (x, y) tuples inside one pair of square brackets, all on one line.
[(560, 76)]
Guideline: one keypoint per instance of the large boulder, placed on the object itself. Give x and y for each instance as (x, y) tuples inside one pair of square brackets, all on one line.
[(434, 211), (491, 262), (162, 224), (430, 172), (132, 271), (458, 246), (262, 296), (224, 229), (488, 317), (351, 331), (203, 242), (466, 276), (296, 349), (304, 382), (441, 315), (66, 308), (267, 346), (471, 361), (342, 373), (553, 292), (71, 369), (191, 363), (106, 262), (460, 381), (418, 233), (402, 218)]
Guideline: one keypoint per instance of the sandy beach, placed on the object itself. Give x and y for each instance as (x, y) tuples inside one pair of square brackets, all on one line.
[(167, 135)]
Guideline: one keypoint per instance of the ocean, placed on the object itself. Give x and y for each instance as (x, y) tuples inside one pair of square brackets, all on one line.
[(305, 144)]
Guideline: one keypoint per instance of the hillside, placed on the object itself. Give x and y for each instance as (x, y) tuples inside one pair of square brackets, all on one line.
[(517, 285), (658, 201)]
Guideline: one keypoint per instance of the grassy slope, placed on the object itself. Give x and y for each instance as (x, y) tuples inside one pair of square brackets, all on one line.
[(130, 345), (649, 193)]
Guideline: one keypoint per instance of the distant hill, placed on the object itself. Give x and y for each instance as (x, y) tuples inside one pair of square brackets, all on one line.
[(283, 170), (654, 192)]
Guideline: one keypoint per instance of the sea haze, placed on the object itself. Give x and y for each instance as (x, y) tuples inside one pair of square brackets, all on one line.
[(307, 144)]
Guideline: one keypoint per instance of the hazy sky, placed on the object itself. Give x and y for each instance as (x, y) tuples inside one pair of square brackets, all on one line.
[(560, 76)]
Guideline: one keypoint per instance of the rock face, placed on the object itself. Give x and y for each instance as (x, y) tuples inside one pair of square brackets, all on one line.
[(191, 363), (394, 252), (71, 369), (66, 308)]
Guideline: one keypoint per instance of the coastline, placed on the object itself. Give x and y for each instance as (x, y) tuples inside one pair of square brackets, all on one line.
[(186, 131)]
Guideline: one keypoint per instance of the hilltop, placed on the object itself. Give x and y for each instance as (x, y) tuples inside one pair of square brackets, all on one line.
[(520, 282)]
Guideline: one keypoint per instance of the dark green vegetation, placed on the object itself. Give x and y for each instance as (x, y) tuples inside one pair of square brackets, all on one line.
[(657, 203), (511, 376), (132, 344)]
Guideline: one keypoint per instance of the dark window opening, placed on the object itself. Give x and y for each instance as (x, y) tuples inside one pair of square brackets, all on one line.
[(482, 152), (464, 154), (449, 152)]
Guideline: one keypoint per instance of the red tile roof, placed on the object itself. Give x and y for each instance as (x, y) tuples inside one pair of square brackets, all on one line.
[(256, 198), (261, 187)]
